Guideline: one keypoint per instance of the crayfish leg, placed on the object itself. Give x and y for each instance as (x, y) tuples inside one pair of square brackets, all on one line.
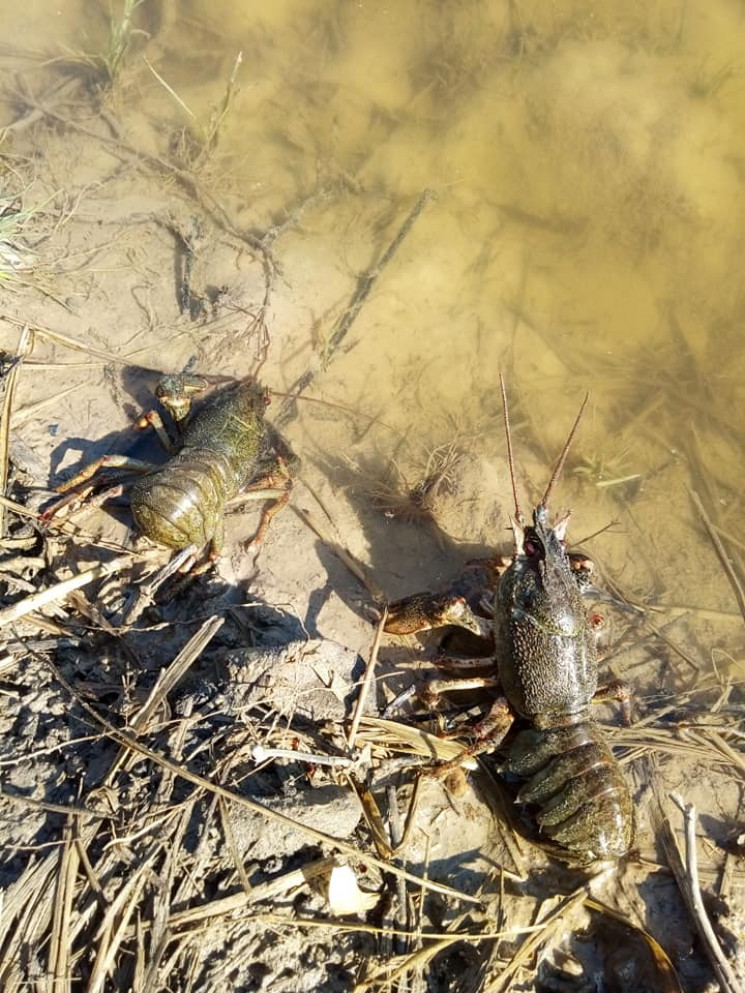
[(431, 693), (266, 516), (275, 486), (488, 733), (152, 419), (74, 498), (427, 611), (216, 542), (106, 462), (79, 488)]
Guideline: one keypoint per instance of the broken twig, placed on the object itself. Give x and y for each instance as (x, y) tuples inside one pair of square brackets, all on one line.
[(365, 284), (686, 874)]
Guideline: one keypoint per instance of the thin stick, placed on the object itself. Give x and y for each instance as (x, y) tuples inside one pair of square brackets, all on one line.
[(531, 945), (169, 89), (725, 534), (713, 738), (387, 932), (25, 346), (720, 550), (59, 947), (659, 633), (264, 891), (32, 409), (113, 929), (358, 415), (68, 342), (261, 754), (168, 679), (357, 569), (58, 808), (60, 590), (365, 283), (691, 890), (397, 834), (367, 680)]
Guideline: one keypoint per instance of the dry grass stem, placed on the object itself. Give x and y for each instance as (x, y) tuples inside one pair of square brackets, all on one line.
[(357, 569), (112, 930), (373, 820), (25, 347), (170, 90), (265, 891), (69, 342), (59, 948), (686, 874), (703, 744), (367, 680), (259, 753), (721, 551), (394, 736), (398, 968), (170, 677), (60, 590), (548, 927), (32, 409), (58, 808)]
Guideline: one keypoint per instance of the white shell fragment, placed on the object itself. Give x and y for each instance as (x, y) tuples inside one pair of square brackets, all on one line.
[(344, 895)]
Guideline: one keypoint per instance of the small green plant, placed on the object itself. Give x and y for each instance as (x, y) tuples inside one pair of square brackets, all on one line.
[(605, 470), (707, 82), (15, 256), (120, 35), (105, 66), (205, 136), (22, 229)]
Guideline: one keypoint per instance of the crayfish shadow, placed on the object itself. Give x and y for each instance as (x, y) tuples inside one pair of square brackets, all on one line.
[(130, 441), (134, 392), (407, 550), (84, 451), (139, 383)]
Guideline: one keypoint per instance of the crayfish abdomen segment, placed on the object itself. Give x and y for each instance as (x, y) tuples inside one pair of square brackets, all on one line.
[(583, 799), (182, 503)]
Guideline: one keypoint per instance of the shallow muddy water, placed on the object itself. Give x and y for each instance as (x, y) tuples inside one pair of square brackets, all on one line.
[(226, 186)]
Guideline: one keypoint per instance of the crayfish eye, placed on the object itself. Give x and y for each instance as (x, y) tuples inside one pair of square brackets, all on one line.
[(532, 547)]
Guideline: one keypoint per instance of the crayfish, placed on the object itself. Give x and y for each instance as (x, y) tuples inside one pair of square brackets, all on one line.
[(226, 448), (545, 655)]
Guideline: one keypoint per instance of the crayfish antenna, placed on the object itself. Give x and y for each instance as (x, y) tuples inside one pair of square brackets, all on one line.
[(564, 452), (520, 520)]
